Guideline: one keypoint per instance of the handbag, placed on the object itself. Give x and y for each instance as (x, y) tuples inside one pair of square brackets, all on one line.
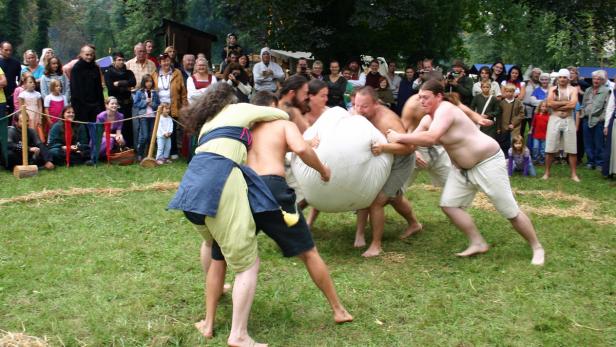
[(124, 156)]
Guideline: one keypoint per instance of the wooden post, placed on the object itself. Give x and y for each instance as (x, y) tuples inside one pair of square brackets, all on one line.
[(24, 170), (150, 161)]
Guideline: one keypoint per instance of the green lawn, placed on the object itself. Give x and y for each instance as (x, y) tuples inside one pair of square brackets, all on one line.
[(119, 270)]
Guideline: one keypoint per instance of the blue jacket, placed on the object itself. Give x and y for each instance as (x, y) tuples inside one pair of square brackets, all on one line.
[(139, 101)]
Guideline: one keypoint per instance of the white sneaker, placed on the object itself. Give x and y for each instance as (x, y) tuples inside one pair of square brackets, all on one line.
[(174, 157)]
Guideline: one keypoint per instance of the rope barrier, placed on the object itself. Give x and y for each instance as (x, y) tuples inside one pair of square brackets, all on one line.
[(146, 115), (10, 115)]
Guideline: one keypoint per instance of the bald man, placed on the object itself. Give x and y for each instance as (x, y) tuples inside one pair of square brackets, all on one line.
[(87, 86)]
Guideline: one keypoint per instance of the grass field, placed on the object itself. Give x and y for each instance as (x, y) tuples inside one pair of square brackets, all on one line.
[(113, 268)]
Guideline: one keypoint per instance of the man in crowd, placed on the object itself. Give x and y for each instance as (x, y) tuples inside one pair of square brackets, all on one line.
[(529, 109), (367, 104), (87, 86), (12, 70), (393, 79), (561, 133), (458, 82), (188, 65), (425, 67), (231, 46), (480, 165), (120, 81), (149, 52), (301, 69), (358, 77), (266, 73), (140, 65), (37, 151), (592, 118)]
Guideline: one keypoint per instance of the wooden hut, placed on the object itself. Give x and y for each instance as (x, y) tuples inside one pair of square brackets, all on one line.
[(187, 40)]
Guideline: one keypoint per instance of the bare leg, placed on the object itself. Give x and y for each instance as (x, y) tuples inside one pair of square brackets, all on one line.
[(312, 217), (360, 233), (573, 166), (463, 221), (522, 224), (206, 257), (214, 289), (302, 204), (320, 276), (243, 294), (403, 207), (377, 222), (549, 158)]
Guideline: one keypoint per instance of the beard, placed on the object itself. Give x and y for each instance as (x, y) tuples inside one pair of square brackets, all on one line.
[(302, 105)]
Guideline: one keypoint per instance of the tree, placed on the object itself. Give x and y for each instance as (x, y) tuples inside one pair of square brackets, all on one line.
[(10, 21), (42, 25)]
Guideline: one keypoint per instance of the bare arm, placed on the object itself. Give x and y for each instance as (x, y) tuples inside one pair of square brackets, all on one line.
[(297, 145), (474, 116), (392, 147), (420, 137)]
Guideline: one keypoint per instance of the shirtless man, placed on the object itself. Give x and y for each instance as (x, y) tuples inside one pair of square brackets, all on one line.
[(366, 104), (433, 159), (480, 164), (271, 140)]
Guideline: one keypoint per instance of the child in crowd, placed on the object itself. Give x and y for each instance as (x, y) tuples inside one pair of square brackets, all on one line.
[(519, 158), (512, 113), (19, 89), (487, 105), (54, 102), (34, 105), (538, 129), (163, 135), (386, 96), (146, 103)]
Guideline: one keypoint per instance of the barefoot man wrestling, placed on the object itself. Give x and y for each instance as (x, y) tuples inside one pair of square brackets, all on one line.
[(480, 165)]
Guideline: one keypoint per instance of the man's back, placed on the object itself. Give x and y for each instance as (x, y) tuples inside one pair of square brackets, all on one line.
[(266, 154)]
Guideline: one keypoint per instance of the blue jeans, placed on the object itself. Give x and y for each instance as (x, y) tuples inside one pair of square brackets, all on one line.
[(163, 145), (145, 134), (539, 150), (594, 142)]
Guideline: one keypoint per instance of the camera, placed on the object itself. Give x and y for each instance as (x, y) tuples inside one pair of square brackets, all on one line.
[(451, 75)]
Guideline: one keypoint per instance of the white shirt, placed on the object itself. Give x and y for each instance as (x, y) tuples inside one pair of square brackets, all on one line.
[(165, 125), (164, 87)]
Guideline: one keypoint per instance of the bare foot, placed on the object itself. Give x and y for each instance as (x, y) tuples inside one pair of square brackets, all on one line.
[(538, 257), (545, 177), (360, 241), (205, 329), (575, 178), (372, 251), (226, 288), (473, 249), (247, 342), (342, 316), (412, 229)]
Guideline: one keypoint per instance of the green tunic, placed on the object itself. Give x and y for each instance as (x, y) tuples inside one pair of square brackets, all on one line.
[(233, 228)]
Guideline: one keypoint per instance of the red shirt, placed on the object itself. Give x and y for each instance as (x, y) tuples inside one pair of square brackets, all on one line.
[(540, 125), (153, 60)]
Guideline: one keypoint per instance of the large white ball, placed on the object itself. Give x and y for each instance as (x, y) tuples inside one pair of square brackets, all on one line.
[(345, 147)]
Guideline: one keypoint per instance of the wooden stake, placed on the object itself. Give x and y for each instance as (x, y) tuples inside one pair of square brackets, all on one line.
[(150, 161), (24, 170)]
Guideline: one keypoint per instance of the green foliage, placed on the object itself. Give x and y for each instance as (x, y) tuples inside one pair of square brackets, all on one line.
[(11, 21), (42, 25)]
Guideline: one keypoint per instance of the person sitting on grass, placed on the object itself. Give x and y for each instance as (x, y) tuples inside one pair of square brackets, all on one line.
[(37, 151), (112, 115), (79, 147), (519, 158), (163, 135)]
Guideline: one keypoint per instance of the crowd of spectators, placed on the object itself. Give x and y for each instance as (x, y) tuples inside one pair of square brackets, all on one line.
[(566, 118)]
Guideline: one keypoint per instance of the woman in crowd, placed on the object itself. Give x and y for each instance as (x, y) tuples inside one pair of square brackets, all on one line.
[(336, 85), (111, 115), (31, 65), (198, 83), (170, 85), (515, 77), (53, 71), (37, 151), (386, 96), (373, 77), (146, 104), (484, 76), (498, 72), (170, 50), (245, 63), (237, 78), (317, 100), (78, 147), (46, 54)]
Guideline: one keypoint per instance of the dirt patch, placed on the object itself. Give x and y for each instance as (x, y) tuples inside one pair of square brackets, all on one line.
[(61, 193), (9, 339)]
